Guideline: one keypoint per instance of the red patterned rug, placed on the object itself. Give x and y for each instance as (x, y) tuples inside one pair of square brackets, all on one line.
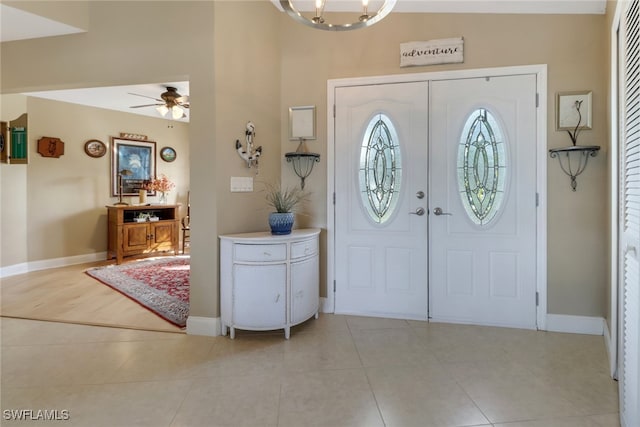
[(159, 284)]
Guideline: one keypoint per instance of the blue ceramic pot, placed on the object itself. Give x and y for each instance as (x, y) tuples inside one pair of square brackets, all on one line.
[(281, 223)]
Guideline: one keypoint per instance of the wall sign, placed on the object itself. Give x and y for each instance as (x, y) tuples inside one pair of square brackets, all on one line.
[(50, 147), (441, 51)]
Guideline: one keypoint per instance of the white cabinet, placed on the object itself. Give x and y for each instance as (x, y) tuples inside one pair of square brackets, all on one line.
[(268, 282)]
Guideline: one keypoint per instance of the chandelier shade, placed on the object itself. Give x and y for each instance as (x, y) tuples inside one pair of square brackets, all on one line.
[(366, 19)]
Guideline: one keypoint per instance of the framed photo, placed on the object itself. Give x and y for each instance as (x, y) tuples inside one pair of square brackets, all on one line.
[(167, 154), (135, 162), (95, 148), (302, 122), (573, 109)]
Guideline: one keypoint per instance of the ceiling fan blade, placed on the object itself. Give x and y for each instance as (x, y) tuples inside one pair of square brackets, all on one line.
[(183, 98), (145, 96), (147, 105)]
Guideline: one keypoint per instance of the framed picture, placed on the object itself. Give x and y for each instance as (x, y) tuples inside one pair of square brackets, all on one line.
[(135, 162), (302, 122), (167, 154), (573, 109), (95, 148)]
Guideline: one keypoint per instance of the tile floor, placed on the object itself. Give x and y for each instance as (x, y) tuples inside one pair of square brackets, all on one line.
[(334, 371)]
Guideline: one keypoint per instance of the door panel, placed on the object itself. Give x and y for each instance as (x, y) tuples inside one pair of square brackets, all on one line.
[(381, 165), (483, 178)]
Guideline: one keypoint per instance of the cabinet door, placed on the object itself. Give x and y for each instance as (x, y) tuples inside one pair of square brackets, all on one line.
[(259, 296), (136, 237), (304, 289), (162, 236)]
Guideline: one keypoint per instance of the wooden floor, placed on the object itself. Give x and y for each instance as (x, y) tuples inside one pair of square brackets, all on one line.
[(69, 295)]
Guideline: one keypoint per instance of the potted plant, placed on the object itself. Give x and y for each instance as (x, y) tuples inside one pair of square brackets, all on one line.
[(285, 201)]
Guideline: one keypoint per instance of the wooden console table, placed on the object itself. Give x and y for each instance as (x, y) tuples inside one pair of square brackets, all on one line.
[(127, 237)]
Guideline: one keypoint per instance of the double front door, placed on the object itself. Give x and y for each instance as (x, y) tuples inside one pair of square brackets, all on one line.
[(435, 200)]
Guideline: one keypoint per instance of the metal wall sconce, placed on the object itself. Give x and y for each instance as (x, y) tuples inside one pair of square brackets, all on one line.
[(572, 109), (302, 127), (248, 153)]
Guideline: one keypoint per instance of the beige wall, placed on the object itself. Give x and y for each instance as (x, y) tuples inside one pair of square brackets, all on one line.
[(74, 13), (572, 46), (264, 63), (66, 196)]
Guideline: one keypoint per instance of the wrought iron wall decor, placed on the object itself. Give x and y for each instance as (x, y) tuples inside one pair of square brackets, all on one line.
[(573, 114), (302, 127)]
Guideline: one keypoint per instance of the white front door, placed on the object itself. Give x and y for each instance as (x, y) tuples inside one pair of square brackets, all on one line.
[(380, 200), (482, 233)]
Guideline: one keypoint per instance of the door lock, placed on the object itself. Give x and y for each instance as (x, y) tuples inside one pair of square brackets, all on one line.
[(420, 194)]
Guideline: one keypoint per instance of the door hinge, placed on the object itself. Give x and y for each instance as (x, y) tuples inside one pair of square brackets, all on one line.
[(537, 199), (334, 197), (537, 100), (537, 299), (334, 286), (334, 111)]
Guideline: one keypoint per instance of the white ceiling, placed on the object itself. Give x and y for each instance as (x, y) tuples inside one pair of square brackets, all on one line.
[(118, 98), (16, 24)]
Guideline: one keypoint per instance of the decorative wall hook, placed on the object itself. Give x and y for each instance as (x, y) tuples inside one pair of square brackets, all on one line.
[(248, 153)]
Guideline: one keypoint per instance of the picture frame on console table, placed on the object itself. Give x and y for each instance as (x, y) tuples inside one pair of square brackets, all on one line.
[(135, 161)]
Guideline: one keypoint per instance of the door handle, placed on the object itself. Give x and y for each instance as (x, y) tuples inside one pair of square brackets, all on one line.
[(419, 212), (438, 212)]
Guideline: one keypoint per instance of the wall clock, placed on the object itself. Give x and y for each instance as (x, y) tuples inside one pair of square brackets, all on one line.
[(168, 154), (95, 148)]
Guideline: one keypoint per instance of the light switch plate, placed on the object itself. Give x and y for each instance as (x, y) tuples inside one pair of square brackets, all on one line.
[(241, 184)]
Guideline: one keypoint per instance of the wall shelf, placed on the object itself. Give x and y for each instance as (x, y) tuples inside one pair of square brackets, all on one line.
[(573, 159)]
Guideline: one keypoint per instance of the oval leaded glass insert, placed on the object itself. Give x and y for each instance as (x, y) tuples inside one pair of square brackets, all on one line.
[(380, 169), (481, 166)]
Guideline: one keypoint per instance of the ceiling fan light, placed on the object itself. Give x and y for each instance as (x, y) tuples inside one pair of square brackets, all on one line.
[(163, 110), (177, 112)]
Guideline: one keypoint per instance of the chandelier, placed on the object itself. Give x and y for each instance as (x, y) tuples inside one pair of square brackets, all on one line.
[(366, 18)]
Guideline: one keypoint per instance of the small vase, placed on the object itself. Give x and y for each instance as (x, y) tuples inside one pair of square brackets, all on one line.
[(163, 198), (281, 222)]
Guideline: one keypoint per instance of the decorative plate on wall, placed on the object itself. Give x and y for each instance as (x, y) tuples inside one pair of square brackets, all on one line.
[(95, 148), (168, 154)]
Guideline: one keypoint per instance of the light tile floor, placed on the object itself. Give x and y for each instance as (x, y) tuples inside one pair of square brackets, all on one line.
[(334, 371)]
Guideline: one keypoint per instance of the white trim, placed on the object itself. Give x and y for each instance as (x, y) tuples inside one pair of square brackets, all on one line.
[(14, 270), (46, 264), (575, 324), (540, 70), (611, 349), (614, 192), (326, 305), (207, 326)]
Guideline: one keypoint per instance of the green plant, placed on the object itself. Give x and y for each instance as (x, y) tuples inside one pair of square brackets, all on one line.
[(284, 199)]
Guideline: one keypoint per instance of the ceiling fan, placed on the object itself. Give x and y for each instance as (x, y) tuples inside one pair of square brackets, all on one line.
[(171, 101)]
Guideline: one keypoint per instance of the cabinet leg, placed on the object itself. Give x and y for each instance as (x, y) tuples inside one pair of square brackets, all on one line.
[(316, 316), (232, 333), (287, 332), (223, 330)]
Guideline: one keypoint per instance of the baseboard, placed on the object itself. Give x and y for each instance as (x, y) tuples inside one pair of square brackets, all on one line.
[(575, 324), (326, 305), (13, 270), (208, 326)]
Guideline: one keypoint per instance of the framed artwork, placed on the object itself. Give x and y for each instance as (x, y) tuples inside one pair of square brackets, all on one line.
[(167, 154), (302, 122), (573, 109), (135, 162), (95, 148)]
